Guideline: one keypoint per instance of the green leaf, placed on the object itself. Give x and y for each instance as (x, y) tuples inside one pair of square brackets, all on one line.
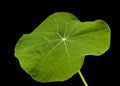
[(56, 49)]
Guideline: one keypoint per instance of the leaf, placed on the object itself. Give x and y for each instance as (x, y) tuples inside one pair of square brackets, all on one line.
[(56, 49)]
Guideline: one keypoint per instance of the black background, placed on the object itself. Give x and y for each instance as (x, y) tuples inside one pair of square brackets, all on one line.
[(18, 18)]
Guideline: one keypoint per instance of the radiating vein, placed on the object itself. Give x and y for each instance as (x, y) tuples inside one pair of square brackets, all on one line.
[(58, 30), (65, 29), (68, 55), (71, 30), (57, 26), (41, 43), (86, 44), (59, 35), (48, 41), (50, 52), (84, 32)]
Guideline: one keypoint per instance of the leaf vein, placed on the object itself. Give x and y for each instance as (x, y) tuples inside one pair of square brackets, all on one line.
[(50, 52)]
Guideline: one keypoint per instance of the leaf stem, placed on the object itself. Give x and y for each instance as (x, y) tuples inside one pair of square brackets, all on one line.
[(83, 79)]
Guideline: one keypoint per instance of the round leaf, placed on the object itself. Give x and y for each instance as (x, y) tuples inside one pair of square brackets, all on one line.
[(56, 49)]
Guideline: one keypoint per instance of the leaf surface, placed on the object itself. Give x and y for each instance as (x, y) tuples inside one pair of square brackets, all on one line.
[(56, 49)]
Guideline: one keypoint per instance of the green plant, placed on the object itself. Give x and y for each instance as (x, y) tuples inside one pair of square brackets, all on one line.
[(56, 49)]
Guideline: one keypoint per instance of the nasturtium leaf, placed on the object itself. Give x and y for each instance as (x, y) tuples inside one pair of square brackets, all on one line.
[(56, 49)]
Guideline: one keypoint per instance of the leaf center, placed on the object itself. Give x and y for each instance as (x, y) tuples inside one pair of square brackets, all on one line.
[(63, 39)]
